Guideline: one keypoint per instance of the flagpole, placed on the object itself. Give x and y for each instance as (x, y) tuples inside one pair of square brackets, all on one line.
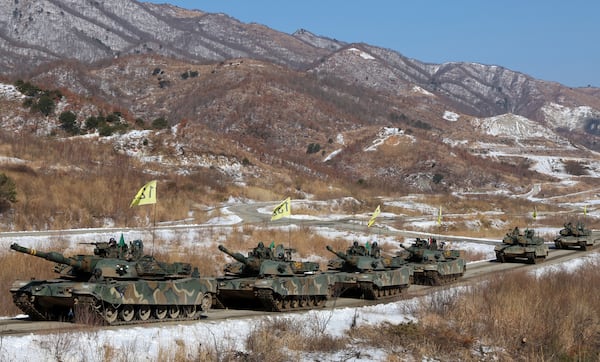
[(153, 228)]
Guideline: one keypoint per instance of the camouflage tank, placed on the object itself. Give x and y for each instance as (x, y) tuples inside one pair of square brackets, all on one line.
[(363, 273), (132, 289), (521, 246), (432, 264), (576, 236), (271, 280)]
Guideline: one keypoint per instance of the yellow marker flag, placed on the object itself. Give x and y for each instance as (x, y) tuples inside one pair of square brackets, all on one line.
[(375, 214), (584, 210), (439, 220), (283, 209), (146, 195), (534, 213)]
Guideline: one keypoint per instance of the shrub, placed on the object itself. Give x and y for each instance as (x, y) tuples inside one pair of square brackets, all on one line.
[(27, 88), (313, 148), (91, 123), (8, 192), (45, 105), (160, 123), (68, 122)]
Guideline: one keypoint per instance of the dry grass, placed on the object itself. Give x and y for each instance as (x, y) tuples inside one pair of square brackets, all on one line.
[(77, 183), (552, 317), (512, 317)]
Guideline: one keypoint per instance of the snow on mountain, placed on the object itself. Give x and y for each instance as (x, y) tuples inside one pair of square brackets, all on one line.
[(417, 89), (571, 118), (384, 134), (9, 91), (361, 53), (450, 116), (511, 125)]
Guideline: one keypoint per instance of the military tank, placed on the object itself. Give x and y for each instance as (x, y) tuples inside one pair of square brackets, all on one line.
[(576, 236), (99, 288), (517, 246), (431, 264), (270, 280), (363, 273)]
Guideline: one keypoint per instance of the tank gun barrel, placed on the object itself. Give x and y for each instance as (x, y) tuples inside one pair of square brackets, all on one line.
[(237, 256), (51, 256), (338, 253)]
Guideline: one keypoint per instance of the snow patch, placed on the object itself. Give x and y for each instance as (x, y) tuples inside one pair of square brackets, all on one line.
[(383, 135), (418, 89), (511, 125), (566, 117), (9, 91), (362, 54), (332, 155), (450, 116)]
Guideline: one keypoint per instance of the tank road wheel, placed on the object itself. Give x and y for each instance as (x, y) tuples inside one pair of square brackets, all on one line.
[(173, 311), (127, 313), (294, 303), (160, 312), (110, 314), (285, 303), (144, 312), (531, 258), (278, 304), (189, 311), (582, 245), (303, 301)]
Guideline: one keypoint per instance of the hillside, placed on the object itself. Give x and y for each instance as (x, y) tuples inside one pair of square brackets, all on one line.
[(283, 112)]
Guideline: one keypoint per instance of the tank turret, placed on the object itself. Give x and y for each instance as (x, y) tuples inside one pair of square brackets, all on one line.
[(356, 262), (93, 267), (245, 265)]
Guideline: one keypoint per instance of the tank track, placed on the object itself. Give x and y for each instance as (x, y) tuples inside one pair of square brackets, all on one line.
[(279, 303), (371, 292), (24, 303), (90, 310), (436, 279)]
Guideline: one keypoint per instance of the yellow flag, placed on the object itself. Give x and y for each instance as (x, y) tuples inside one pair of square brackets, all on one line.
[(146, 195), (283, 209), (534, 213), (439, 220), (375, 214), (584, 210)]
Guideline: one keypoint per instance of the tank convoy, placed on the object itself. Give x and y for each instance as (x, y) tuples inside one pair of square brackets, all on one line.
[(431, 264), (132, 288), (118, 284), (576, 236), (361, 272), (521, 246), (271, 280)]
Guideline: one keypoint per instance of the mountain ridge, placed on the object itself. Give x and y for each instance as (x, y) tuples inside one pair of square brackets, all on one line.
[(277, 96)]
